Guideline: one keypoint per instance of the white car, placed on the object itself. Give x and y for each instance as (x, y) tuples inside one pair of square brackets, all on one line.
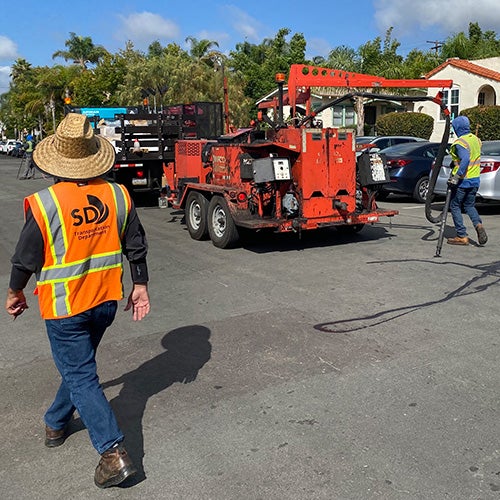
[(489, 188), (8, 145)]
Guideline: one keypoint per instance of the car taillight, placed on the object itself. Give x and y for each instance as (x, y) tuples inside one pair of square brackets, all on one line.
[(397, 163), (489, 166), (140, 173)]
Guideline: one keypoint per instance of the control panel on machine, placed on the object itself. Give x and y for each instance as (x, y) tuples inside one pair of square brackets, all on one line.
[(271, 169)]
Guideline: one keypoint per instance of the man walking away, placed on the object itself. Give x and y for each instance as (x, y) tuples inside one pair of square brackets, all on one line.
[(464, 182), (74, 235)]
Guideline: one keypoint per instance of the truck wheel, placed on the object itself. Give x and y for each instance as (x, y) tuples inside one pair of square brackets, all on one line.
[(421, 189), (221, 227), (196, 216)]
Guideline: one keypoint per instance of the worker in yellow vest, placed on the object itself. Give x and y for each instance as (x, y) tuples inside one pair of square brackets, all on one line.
[(74, 235), (464, 182), (29, 146)]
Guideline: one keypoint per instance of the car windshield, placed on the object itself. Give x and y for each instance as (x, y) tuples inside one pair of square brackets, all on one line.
[(490, 148), (403, 148), (364, 140)]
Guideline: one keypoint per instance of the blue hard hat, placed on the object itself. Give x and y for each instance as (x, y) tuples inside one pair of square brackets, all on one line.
[(29, 137)]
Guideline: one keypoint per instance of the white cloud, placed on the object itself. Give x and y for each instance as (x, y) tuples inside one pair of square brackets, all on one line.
[(148, 27), (318, 47), (449, 16), (216, 36), (245, 25), (4, 78), (8, 49)]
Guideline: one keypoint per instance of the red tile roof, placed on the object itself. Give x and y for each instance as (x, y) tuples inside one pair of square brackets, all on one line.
[(467, 66)]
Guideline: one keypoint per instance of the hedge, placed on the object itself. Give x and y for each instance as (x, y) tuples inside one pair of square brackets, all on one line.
[(407, 123), (484, 121)]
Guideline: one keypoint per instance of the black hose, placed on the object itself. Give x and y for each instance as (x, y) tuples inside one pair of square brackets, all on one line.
[(438, 163)]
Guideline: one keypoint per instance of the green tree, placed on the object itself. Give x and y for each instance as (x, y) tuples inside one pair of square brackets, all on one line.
[(81, 50), (380, 58), (200, 48), (476, 44), (257, 65), (344, 58), (21, 69), (100, 86), (418, 63)]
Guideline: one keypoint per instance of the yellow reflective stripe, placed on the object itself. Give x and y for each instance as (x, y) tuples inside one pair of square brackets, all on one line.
[(122, 206), (61, 220), (60, 300), (47, 226), (61, 304), (127, 210), (72, 270)]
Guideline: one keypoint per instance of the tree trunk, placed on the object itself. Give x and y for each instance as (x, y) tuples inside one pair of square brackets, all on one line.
[(359, 107)]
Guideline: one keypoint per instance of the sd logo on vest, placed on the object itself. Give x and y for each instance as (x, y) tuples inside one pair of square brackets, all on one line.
[(95, 212)]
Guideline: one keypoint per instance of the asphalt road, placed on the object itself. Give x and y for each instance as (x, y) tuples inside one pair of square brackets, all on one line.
[(332, 367)]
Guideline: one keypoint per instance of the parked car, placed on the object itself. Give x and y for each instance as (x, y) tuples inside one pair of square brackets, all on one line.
[(409, 167), (489, 187), (9, 144), (17, 151), (373, 143), (10, 147), (2, 145)]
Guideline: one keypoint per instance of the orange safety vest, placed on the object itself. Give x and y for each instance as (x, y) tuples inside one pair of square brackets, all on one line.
[(82, 227)]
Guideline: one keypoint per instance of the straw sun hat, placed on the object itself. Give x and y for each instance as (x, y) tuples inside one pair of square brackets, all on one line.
[(74, 152)]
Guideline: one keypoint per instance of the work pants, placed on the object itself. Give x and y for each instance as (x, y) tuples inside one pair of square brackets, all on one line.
[(464, 198), (74, 342)]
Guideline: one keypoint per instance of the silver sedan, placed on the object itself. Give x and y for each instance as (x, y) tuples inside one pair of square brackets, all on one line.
[(489, 188)]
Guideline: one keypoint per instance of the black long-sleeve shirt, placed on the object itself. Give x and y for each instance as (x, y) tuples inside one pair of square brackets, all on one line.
[(28, 257)]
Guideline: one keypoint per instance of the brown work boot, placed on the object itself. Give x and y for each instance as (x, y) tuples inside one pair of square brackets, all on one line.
[(54, 437), (458, 240), (114, 467), (482, 237)]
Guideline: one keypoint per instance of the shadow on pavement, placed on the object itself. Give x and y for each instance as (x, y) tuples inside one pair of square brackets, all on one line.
[(187, 349)]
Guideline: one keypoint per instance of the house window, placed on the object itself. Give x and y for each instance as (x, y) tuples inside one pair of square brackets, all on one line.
[(481, 98), (343, 116), (451, 99)]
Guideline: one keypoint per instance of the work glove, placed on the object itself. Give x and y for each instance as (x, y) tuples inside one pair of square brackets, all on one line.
[(454, 180)]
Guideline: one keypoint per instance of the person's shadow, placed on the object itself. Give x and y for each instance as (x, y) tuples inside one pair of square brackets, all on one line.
[(187, 349)]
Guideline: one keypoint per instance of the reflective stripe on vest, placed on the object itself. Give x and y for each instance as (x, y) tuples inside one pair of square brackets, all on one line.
[(473, 145), (59, 273)]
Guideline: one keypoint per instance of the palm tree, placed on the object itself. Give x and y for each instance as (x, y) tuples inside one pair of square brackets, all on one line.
[(200, 48), (20, 68), (81, 50)]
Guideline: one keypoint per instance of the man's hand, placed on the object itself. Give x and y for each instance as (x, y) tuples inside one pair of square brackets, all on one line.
[(138, 300), (16, 302), (454, 180)]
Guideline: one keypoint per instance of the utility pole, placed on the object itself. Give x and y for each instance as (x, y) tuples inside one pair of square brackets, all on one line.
[(437, 45)]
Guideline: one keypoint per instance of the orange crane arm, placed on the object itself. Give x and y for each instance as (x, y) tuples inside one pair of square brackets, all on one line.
[(302, 75)]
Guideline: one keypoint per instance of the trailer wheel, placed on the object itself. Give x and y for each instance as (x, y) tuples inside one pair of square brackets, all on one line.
[(196, 216), (221, 227)]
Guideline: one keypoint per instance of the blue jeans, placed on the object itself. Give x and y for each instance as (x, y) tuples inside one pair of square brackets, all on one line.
[(74, 343), (466, 198)]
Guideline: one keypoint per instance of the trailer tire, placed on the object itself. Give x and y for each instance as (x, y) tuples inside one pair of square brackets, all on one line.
[(221, 227), (196, 215)]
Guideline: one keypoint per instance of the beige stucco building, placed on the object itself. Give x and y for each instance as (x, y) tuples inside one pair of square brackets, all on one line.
[(474, 83)]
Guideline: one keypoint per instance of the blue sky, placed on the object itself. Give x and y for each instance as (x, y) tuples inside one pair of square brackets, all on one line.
[(34, 30)]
